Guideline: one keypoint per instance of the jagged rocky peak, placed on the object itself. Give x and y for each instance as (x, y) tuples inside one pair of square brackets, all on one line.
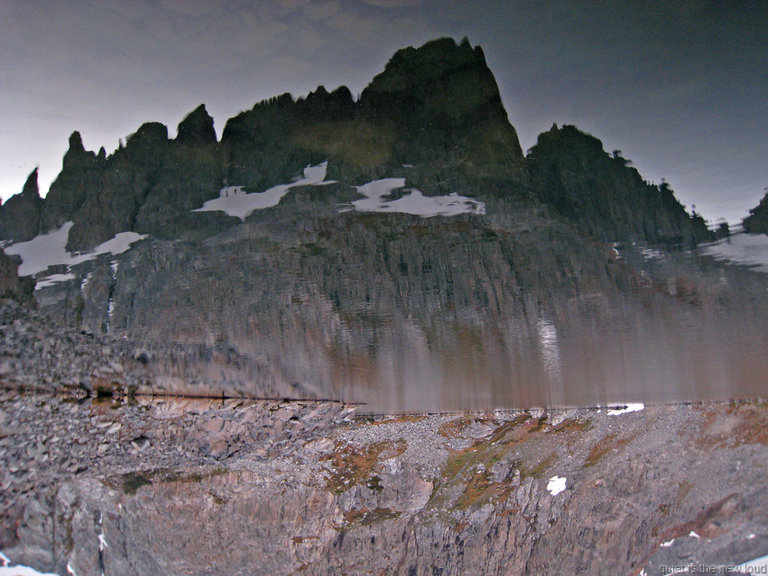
[(31, 189), (76, 143), (449, 78), (20, 215), (325, 105), (77, 156), (148, 134), (197, 128)]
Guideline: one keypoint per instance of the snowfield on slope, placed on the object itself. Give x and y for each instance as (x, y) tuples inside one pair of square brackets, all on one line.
[(49, 249), (414, 202), (235, 201)]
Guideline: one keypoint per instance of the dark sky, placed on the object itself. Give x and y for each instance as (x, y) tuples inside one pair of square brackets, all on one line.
[(681, 87)]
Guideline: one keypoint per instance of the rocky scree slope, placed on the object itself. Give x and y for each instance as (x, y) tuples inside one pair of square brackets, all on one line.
[(311, 488)]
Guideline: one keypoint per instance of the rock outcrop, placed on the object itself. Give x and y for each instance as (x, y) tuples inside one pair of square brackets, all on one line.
[(10, 286)]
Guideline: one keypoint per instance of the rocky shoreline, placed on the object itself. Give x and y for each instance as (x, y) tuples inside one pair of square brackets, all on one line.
[(193, 486)]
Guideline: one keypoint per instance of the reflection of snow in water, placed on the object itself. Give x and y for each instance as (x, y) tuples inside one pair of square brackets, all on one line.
[(549, 347), (749, 249), (414, 202)]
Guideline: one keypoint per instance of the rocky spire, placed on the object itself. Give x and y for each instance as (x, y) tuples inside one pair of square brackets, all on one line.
[(20, 216), (197, 128), (31, 189), (77, 157)]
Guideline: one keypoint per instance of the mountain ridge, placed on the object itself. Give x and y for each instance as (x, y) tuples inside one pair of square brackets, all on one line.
[(436, 107)]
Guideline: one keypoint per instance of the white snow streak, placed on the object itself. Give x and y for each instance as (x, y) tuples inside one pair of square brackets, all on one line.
[(414, 202), (755, 566), (49, 249), (626, 409), (235, 201), (7, 568)]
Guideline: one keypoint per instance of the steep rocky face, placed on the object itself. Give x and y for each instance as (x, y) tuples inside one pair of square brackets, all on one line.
[(507, 309), (604, 196), (757, 221), (20, 215), (10, 286)]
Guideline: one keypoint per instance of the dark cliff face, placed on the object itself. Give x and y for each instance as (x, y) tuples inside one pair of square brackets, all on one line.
[(757, 221), (20, 215), (603, 195)]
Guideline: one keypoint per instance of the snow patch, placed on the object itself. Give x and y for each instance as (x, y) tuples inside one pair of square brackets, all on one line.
[(652, 254), (668, 543), (49, 249), (235, 201), (626, 409), (414, 202), (53, 279), (556, 485), (693, 534), (8, 568), (755, 566)]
